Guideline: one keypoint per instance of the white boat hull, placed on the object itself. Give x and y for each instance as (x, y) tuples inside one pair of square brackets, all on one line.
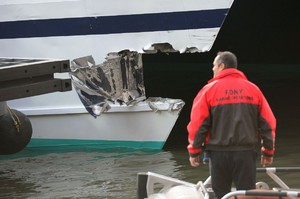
[(123, 126)]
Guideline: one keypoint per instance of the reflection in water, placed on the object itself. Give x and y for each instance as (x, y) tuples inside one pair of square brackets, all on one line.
[(107, 173)]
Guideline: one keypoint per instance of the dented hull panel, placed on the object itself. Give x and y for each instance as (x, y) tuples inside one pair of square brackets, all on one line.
[(100, 45)]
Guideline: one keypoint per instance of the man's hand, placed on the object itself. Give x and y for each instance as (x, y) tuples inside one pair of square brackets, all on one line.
[(266, 161), (195, 161)]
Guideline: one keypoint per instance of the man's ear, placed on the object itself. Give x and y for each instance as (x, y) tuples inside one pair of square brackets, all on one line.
[(222, 66)]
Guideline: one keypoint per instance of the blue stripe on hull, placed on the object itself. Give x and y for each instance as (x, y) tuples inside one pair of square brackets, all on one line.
[(95, 143), (113, 24)]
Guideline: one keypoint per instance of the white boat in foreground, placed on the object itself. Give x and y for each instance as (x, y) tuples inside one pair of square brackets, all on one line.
[(157, 186), (68, 29)]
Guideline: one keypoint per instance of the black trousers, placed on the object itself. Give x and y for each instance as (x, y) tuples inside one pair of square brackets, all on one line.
[(237, 167)]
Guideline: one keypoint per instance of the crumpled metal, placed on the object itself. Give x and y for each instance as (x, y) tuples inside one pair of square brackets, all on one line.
[(118, 80), (158, 104)]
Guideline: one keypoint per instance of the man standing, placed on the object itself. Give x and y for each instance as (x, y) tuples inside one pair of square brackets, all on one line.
[(228, 117)]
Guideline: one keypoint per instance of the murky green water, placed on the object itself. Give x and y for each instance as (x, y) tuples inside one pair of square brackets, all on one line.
[(111, 173)]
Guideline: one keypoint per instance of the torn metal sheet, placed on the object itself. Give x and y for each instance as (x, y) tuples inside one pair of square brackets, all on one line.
[(158, 104), (118, 80)]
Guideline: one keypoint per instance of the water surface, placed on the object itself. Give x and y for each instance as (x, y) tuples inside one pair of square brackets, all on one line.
[(92, 172)]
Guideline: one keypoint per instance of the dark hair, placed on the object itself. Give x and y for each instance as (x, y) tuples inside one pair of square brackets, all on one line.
[(228, 59)]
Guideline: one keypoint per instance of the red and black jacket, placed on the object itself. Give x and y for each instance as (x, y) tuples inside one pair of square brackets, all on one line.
[(231, 113)]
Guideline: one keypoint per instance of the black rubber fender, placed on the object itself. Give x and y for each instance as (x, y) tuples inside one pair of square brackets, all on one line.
[(14, 138)]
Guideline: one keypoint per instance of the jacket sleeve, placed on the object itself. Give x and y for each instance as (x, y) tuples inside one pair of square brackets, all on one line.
[(267, 128), (197, 127)]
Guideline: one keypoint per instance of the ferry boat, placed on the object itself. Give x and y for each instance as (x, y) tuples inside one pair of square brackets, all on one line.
[(70, 29)]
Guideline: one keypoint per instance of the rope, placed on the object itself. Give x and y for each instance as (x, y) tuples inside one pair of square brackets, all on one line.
[(17, 121)]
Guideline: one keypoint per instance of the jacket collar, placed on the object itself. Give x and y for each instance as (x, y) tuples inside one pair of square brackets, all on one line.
[(232, 72)]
